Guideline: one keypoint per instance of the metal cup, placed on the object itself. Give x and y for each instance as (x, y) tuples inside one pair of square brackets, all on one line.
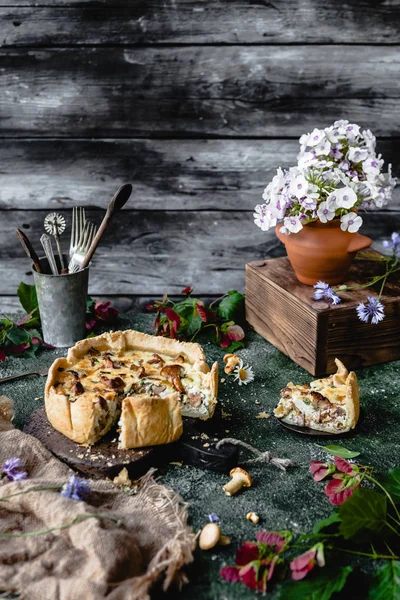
[(62, 304)]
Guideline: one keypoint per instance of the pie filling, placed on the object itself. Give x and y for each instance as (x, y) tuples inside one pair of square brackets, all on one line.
[(106, 378), (317, 406)]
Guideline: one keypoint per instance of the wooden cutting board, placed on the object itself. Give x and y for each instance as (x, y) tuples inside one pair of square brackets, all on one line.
[(196, 447)]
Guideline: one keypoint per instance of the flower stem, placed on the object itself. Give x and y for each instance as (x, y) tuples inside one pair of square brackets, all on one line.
[(38, 489), (383, 556), (75, 520), (375, 482)]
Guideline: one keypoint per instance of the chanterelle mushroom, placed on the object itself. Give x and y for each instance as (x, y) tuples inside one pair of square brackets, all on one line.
[(240, 478), (210, 536), (231, 361), (174, 372)]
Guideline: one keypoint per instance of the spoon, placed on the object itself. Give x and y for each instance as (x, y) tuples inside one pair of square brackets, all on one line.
[(27, 246), (45, 240), (120, 198), (54, 224)]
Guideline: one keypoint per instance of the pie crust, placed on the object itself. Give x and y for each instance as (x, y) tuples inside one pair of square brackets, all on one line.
[(145, 382), (331, 404)]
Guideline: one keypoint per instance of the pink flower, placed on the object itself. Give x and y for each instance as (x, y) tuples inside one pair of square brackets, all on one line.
[(104, 311), (271, 538), (235, 333), (90, 324), (202, 312), (225, 341), (340, 488), (187, 290), (320, 469), (305, 563), (174, 319), (345, 467), (248, 552), (230, 574)]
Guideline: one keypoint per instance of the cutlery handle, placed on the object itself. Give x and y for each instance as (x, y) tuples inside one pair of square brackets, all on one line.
[(18, 376), (120, 198), (48, 250), (27, 246)]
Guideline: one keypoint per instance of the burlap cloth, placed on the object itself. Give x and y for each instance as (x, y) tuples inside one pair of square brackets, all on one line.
[(95, 558)]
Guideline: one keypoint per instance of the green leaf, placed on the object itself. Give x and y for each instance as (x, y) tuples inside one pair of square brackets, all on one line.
[(17, 336), (234, 346), (27, 296), (365, 509), (386, 582), (392, 484), (231, 307), (319, 586), (333, 519), (194, 325), (340, 451)]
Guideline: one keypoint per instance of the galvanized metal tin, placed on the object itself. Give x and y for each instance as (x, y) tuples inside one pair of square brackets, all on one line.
[(62, 305)]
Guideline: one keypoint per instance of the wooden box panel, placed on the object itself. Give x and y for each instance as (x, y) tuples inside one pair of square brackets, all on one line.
[(313, 334)]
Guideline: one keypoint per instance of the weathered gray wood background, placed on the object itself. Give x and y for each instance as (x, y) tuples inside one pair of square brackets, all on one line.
[(196, 103)]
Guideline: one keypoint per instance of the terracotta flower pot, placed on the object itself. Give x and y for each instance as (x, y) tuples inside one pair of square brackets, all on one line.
[(322, 251)]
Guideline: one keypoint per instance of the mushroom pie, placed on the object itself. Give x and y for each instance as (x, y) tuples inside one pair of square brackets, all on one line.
[(143, 383), (331, 404)]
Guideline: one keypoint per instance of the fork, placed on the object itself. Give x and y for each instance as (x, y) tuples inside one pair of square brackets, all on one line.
[(78, 224), (84, 243), (41, 372)]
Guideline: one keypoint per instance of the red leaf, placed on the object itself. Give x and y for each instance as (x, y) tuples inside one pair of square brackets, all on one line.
[(104, 311), (230, 574), (2, 355), (343, 466), (246, 553), (149, 307), (202, 312), (17, 348), (173, 317), (90, 324), (187, 290), (235, 333)]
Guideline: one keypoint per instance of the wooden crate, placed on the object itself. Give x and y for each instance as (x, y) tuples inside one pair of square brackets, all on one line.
[(312, 333)]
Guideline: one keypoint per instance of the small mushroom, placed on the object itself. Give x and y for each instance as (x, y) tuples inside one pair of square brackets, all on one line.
[(253, 517), (108, 363), (78, 388), (113, 383), (196, 399), (74, 373), (180, 359), (139, 370), (240, 478), (211, 535), (174, 372), (156, 360), (231, 362)]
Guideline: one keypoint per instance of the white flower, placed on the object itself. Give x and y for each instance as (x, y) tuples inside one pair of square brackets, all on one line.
[(307, 159), (356, 154), (315, 137), (325, 212), (372, 166), (352, 131), (263, 217), (298, 186), (350, 222), (292, 224), (243, 373), (342, 198), (323, 148), (369, 140)]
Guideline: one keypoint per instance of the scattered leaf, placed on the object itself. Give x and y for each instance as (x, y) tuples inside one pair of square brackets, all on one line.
[(28, 297), (386, 582), (340, 451), (333, 519), (321, 587), (392, 484), (365, 509)]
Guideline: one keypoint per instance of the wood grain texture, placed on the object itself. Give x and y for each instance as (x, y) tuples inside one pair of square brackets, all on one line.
[(165, 174), (147, 252), (32, 23), (272, 91), (314, 333)]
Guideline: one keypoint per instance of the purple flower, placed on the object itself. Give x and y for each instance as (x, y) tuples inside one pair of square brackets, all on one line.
[(75, 488), (323, 291), (393, 243), (213, 518), (373, 311), (12, 469)]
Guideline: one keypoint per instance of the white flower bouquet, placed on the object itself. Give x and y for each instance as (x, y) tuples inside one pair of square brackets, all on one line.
[(338, 174)]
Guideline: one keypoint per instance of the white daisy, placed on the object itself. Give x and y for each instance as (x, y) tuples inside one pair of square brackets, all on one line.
[(243, 373)]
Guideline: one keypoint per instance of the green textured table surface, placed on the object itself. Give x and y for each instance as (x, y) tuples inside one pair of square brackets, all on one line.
[(283, 500)]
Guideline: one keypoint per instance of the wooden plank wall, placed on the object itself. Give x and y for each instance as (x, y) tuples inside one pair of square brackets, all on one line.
[(196, 103)]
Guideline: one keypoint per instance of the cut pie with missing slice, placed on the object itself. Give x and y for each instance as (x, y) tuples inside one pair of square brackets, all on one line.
[(331, 404), (145, 382)]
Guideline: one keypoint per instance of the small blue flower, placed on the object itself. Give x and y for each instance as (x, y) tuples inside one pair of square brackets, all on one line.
[(213, 518), (373, 311), (75, 488), (12, 469), (323, 291), (393, 243)]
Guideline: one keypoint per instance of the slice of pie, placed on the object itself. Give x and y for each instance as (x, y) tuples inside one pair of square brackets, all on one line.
[(331, 404), (150, 381)]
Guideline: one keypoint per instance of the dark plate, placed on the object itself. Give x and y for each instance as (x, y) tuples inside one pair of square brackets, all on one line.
[(308, 430)]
